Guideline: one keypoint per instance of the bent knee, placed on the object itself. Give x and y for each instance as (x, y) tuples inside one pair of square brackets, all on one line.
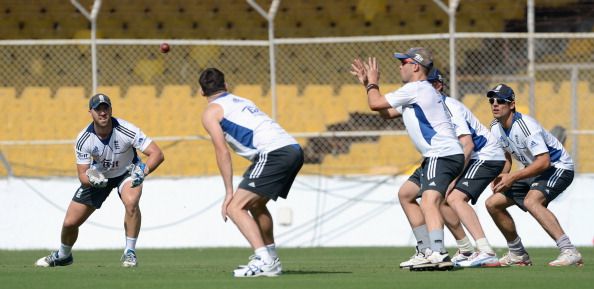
[(532, 204), (495, 203), (457, 197)]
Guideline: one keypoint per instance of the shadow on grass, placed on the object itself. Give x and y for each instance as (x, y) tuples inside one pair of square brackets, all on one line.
[(303, 272)]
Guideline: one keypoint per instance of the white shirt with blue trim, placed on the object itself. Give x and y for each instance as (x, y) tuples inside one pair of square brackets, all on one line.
[(249, 131), (465, 123), (526, 139), (111, 156), (426, 120)]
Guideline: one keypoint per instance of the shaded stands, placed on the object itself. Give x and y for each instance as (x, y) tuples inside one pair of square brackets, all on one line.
[(235, 19)]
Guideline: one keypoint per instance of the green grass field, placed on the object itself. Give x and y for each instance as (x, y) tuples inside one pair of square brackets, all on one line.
[(307, 268)]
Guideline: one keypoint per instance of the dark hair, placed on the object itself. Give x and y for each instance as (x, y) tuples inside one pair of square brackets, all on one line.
[(212, 81)]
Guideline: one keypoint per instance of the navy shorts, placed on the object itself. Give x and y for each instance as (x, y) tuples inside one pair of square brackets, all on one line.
[(271, 175), (551, 184), (438, 172), (477, 176), (96, 196)]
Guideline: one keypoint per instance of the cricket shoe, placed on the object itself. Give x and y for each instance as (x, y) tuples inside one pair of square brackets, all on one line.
[(52, 260), (416, 259), (256, 268), (129, 259), (568, 257), (480, 259), (277, 260), (435, 261), (511, 259), (460, 256)]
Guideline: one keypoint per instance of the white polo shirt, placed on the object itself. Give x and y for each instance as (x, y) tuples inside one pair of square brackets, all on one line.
[(112, 155), (426, 120), (248, 130), (526, 139), (465, 123)]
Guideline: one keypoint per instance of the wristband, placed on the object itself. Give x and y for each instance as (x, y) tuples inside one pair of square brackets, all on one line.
[(372, 86)]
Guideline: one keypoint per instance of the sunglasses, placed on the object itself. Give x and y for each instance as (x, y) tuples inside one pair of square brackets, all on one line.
[(407, 61), (499, 100)]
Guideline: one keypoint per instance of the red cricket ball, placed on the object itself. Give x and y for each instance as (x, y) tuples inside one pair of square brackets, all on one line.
[(164, 47)]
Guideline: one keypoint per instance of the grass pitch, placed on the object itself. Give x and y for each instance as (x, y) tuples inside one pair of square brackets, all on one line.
[(304, 268)]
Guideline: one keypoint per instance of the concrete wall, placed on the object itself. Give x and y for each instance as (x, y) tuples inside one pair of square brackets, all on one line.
[(320, 211)]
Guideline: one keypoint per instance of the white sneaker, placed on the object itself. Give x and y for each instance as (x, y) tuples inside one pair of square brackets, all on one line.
[(480, 259), (568, 257), (256, 267), (129, 259), (460, 256), (434, 261), (52, 260), (511, 259), (277, 260), (416, 259)]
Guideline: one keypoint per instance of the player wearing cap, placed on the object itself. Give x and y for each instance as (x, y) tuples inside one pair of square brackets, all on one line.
[(431, 130), (548, 171), (106, 158), (484, 161), (276, 159)]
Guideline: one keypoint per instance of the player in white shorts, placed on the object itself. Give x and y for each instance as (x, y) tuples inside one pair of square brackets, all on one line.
[(484, 161), (106, 158), (548, 171), (430, 128), (276, 159)]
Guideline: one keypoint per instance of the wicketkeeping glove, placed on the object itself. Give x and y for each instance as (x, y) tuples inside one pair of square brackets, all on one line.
[(96, 178), (137, 173)]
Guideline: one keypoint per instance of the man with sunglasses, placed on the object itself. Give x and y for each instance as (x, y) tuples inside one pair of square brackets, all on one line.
[(431, 130), (548, 171), (106, 158), (484, 160)]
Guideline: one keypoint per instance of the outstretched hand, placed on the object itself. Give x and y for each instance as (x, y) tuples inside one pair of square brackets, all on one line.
[(358, 70), (372, 69)]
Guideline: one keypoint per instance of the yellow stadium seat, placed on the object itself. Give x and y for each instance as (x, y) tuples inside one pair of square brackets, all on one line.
[(114, 92), (354, 97)]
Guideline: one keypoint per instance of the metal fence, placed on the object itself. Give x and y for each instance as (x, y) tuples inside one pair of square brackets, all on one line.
[(44, 87)]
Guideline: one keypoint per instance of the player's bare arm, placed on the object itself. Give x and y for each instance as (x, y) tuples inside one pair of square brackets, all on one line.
[(155, 157), (467, 147), (210, 120), (375, 99), (82, 174)]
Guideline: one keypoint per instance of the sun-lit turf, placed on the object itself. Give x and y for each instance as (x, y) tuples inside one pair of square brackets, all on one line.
[(306, 268)]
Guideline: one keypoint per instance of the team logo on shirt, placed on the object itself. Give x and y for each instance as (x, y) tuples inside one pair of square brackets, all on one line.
[(251, 109), (95, 151), (108, 164)]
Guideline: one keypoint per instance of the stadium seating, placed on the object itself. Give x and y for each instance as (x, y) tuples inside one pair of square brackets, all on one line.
[(235, 19)]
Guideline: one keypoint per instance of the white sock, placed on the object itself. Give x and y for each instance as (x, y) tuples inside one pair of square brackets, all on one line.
[(464, 245), (64, 251), (264, 255), (272, 250), (483, 246), (130, 244)]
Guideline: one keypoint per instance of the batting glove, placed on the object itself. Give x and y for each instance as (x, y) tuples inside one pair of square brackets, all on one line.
[(137, 173), (96, 178)]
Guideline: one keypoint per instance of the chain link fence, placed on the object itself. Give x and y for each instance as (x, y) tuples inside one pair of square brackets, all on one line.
[(45, 86)]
